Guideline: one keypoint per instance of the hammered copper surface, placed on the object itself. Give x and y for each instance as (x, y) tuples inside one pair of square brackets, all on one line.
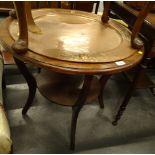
[(77, 36)]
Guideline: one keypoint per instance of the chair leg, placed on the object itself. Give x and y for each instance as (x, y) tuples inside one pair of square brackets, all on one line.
[(103, 81), (30, 81), (78, 106), (128, 95)]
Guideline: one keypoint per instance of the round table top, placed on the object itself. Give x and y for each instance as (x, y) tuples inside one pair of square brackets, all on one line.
[(74, 42)]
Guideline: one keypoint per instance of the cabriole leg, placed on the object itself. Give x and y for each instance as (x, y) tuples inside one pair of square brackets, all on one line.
[(78, 106), (30, 81)]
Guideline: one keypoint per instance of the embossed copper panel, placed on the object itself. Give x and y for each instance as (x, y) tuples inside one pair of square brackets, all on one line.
[(77, 36)]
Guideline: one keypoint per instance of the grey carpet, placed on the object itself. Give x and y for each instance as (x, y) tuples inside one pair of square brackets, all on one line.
[(46, 129)]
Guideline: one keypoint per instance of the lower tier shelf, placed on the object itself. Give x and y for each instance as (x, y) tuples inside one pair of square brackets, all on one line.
[(64, 89)]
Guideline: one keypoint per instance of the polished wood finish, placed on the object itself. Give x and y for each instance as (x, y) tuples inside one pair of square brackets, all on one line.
[(84, 42), (89, 88), (66, 67)]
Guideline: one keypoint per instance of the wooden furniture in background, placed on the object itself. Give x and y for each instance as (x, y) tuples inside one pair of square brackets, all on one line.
[(147, 34), (79, 46), (6, 6), (138, 5)]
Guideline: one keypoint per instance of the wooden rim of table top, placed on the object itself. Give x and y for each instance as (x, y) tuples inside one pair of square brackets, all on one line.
[(66, 66)]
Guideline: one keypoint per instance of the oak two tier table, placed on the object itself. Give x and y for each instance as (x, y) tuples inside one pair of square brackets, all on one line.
[(71, 48)]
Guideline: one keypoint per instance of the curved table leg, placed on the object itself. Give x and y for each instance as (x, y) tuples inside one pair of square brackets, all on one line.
[(78, 106), (30, 81), (103, 81), (128, 96)]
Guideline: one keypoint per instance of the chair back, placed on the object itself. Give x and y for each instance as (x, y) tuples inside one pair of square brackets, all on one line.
[(135, 41)]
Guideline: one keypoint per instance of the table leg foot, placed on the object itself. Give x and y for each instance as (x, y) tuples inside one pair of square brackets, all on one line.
[(114, 123), (75, 113), (32, 91), (120, 113)]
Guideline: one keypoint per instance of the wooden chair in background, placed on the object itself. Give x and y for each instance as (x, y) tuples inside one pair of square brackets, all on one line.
[(147, 33)]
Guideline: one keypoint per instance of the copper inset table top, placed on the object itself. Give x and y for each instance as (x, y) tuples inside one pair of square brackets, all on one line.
[(100, 57), (77, 37)]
